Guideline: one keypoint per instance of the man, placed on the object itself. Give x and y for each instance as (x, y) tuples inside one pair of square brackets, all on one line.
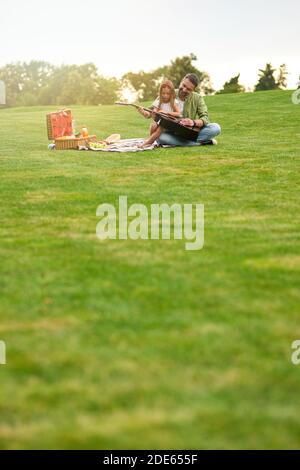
[(194, 112)]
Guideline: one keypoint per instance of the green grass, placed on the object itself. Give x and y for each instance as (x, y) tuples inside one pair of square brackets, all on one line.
[(141, 344)]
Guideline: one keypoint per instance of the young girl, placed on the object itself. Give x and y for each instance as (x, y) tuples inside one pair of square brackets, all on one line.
[(166, 103)]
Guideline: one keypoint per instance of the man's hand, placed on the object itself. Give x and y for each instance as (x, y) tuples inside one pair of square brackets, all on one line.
[(187, 122)]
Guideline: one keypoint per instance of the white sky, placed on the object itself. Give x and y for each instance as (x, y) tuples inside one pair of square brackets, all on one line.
[(228, 36)]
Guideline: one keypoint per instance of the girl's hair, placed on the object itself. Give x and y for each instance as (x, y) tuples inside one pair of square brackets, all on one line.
[(167, 84)]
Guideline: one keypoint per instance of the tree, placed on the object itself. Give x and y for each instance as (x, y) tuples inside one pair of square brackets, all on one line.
[(108, 90), (146, 83), (179, 67), (79, 84), (282, 77), (24, 81), (39, 82), (266, 79), (13, 77), (36, 75), (232, 86)]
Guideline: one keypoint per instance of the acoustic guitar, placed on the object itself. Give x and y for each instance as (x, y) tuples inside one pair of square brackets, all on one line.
[(169, 123)]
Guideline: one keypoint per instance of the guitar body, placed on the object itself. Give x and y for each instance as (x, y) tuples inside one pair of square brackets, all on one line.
[(172, 125)]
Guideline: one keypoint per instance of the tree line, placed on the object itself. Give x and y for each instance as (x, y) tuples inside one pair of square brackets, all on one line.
[(41, 83), (266, 80)]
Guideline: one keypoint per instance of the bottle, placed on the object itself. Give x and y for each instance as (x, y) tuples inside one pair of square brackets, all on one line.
[(84, 131)]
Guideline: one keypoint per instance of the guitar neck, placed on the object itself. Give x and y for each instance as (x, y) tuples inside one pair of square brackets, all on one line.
[(134, 106), (160, 113)]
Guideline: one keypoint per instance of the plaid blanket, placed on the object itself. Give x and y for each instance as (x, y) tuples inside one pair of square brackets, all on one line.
[(126, 145)]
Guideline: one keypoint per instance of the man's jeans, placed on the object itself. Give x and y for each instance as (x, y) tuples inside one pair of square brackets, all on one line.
[(207, 133)]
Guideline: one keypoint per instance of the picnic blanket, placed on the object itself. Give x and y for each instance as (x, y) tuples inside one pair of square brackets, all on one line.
[(126, 145)]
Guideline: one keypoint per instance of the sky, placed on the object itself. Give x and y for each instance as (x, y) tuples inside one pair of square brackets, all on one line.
[(227, 36)]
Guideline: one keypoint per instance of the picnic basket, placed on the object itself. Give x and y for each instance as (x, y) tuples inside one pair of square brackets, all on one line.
[(60, 129)]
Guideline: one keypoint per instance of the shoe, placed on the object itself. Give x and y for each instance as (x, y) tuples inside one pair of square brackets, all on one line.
[(210, 142)]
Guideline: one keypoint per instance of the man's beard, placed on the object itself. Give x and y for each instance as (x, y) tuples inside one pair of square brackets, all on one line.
[(182, 93)]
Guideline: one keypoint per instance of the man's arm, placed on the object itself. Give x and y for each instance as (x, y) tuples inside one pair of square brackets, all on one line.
[(198, 123), (202, 113), (192, 122), (201, 118)]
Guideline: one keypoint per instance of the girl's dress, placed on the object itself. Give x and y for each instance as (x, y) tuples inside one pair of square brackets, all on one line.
[(164, 106)]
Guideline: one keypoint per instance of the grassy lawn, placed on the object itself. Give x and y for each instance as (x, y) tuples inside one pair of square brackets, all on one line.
[(141, 344)]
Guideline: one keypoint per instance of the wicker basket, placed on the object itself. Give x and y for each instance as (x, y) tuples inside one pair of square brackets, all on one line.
[(73, 142), (59, 129), (69, 144)]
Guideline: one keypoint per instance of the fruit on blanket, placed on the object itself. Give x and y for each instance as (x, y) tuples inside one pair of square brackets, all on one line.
[(97, 145)]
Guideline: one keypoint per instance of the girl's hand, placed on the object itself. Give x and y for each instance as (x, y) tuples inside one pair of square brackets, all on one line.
[(143, 112)]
